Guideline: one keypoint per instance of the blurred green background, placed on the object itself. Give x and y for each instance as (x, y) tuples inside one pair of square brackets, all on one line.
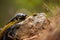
[(8, 8)]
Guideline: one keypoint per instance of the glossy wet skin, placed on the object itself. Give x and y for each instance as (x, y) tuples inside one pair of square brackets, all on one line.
[(19, 16), (11, 31)]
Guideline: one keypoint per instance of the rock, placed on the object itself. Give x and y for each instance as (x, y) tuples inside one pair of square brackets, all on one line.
[(32, 26)]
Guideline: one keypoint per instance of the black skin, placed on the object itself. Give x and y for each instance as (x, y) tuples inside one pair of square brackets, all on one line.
[(12, 30), (18, 17)]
